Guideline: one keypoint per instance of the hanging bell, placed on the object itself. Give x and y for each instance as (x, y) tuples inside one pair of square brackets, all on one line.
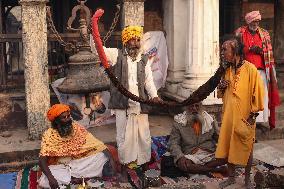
[(85, 75)]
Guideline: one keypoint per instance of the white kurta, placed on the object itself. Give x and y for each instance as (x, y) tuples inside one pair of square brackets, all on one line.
[(264, 115), (132, 128)]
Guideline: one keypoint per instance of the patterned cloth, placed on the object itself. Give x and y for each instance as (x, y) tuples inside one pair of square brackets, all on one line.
[(159, 146), (273, 93), (81, 143)]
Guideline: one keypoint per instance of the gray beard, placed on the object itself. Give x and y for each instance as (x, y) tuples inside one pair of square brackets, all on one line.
[(252, 31), (133, 52), (192, 118)]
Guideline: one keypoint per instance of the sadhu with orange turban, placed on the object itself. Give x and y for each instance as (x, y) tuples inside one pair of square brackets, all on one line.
[(56, 110), (69, 150)]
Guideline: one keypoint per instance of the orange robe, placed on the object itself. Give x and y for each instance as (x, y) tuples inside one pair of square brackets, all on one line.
[(243, 96), (78, 145)]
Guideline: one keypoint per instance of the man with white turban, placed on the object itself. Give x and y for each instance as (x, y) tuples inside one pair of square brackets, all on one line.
[(258, 51)]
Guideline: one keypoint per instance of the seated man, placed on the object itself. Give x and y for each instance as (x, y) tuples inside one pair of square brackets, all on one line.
[(69, 151), (192, 144)]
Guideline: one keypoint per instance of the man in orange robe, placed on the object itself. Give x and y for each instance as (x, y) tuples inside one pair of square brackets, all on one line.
[(69, 151), (242, 93)]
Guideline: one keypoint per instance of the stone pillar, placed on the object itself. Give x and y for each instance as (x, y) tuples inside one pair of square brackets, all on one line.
[(34, 35), (279, 42), (133, 13), (175, 20), (2, 64), (202, 46)]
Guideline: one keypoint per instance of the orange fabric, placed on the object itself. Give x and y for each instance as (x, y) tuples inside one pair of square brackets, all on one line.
[(197, 128), (79, 144), (56, 110), (245, 94), (114, 153)]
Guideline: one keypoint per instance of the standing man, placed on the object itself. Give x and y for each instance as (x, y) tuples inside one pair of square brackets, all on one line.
[(258, 51), (242, 94), (133, 70)]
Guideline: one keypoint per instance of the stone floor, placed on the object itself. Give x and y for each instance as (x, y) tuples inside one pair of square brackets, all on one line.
[(16, 150), (159, 126)]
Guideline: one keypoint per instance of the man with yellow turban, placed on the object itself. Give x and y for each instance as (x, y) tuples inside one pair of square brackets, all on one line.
[(69, 151), (133, 69)]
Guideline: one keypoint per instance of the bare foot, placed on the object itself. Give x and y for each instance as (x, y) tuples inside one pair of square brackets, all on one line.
[(228, 182), (223, 170)]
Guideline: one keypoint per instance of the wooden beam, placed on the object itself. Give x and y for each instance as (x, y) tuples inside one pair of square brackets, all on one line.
[(50, 37), (10, 3)]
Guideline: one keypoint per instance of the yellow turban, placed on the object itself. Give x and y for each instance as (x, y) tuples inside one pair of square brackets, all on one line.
[(56, 110), (131, 32)]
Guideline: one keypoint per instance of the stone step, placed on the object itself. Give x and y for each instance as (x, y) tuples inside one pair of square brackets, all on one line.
[(16, 166), (16, 160), (277, 133)]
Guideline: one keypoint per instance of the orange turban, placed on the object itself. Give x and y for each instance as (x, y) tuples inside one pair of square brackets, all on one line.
[(56, 110)]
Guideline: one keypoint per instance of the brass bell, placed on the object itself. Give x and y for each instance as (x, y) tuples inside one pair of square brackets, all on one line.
[(85, 75)]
